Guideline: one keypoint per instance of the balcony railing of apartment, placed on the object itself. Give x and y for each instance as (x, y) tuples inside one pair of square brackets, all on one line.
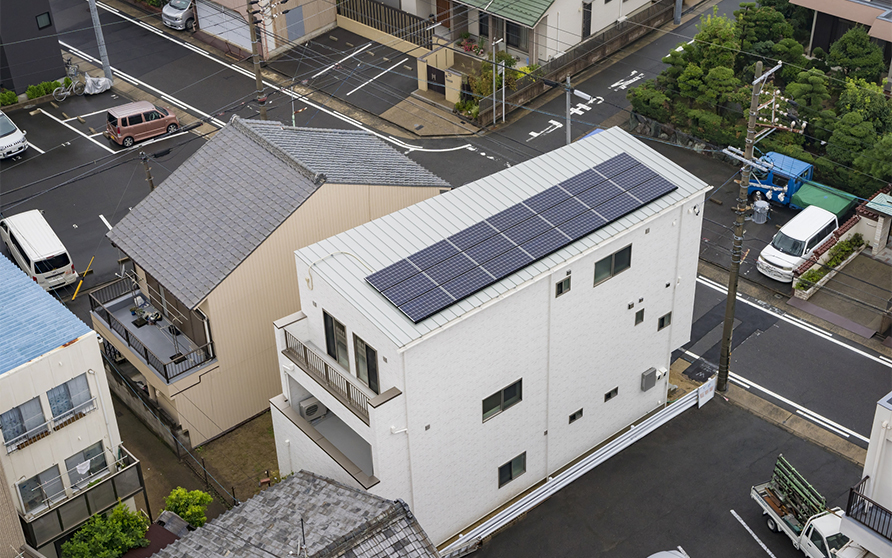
[(868, 513), (50, 426), (330, 378), (169, 369), (100, 493)]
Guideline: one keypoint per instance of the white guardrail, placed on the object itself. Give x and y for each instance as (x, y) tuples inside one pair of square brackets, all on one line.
[(472, 539)]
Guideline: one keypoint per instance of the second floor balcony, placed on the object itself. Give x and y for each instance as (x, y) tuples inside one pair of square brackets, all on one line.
[(24, 438), (148, 332), (870, 514)]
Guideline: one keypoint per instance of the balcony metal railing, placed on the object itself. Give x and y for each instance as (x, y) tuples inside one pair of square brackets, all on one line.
[(28, 438), (73, 414), (168, 369), (868, 513), (50, 426), (330, 378)]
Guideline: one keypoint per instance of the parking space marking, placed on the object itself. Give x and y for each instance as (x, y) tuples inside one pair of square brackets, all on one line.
[(105, 221), (84, 115), (750, 531), (376, 77), (75, 130), (341, 61), (35, 148)]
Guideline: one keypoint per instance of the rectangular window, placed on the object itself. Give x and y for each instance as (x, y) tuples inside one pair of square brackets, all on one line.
[(576, 416), (639, 316), (84, 465), (664, 321), (502, 399), (513, 469), (23, 422), (134, 120), (611, 394), (586, 19), (44, 21), (41, 490), (483, 23), (613, 264), (366, 364), (336, 340), (70, 398), (516, 36), (562, 287)]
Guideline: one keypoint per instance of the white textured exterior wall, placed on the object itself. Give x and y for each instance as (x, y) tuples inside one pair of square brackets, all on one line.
[(569, 351), (878, 464), (34, 379)]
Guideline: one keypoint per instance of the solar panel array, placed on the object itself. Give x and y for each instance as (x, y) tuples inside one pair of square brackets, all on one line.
[(470, 260)]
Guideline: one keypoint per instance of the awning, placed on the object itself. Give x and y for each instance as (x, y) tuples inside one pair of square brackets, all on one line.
[(522, 12)]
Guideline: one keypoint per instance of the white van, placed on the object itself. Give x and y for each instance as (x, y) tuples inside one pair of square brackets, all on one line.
[(795, 242), (37, 249)]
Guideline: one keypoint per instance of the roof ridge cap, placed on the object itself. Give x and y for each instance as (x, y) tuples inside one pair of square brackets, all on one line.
[(317, 177), (359, 533)]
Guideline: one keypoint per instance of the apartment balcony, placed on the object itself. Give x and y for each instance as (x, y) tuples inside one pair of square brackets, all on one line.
[(149, 336), (94, 494), (47, 428), (867, 522)]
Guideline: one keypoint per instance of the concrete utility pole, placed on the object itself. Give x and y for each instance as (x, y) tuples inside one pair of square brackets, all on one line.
[(100, 41), (677, 18), (569, 92), (494, 51), (255, 51), (145, 162), (734, 276)]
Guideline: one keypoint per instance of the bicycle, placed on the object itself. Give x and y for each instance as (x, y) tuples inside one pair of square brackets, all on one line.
[(73, 84)]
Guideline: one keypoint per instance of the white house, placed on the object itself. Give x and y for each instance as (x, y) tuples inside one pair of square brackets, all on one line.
[(62, 458), (473, 378)]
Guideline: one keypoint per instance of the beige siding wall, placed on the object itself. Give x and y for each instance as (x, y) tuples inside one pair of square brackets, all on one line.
[(241, 310), (11, 536)]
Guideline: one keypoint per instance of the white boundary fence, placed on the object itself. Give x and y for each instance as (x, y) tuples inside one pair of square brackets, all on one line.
[(471, 540)]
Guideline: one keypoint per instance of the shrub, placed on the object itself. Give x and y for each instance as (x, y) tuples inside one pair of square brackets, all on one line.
[(838, 254), (8, 98), (108, 536), (34, 91), (49, 86), (191, 506)]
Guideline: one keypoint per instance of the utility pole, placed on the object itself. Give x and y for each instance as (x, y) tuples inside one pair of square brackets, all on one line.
[(145, 162), (100, 41), (255, 51), (569, 92), (677, 19), (734, 276), (494, 51)]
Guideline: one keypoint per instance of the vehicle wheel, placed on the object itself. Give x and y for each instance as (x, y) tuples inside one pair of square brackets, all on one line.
[(772, 525), (190, 24), (172, 128), (60, 94), (128, 142), (79, 87)]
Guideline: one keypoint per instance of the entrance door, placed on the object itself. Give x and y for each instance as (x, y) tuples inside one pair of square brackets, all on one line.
[(443, 10), (436, 80)]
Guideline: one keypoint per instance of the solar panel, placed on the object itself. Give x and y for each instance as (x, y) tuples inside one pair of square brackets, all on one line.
[(434, 253), (391, 275), (452, 269)]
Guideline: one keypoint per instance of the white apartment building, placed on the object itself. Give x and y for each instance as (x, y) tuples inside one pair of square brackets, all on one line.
[(525, 318), (62, 459)]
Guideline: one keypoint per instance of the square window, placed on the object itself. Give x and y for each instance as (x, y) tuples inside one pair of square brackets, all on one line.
[(613, 264), (639, 316), (664, 321), (502, 399), (44, 21), (562, 287), (611, 394), (576, 416), (513, 469)]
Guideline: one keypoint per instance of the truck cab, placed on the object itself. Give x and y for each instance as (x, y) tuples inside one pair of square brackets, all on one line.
[(784, 177), (821, 535)]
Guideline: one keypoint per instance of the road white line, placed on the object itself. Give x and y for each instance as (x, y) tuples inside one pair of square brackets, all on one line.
[(821, 423), (341, 61), (376, 77), (292, 94), (75, 130), (207, 117), (35, 148), (750, 531), (742, 384), (828, 336), (96, 134), (84, 115), (104, 220)]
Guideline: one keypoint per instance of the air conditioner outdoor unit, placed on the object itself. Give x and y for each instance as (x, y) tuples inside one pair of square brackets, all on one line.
[(312, 409)]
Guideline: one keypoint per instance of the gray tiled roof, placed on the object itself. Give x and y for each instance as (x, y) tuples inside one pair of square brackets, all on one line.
[(346, 156), (338, 521), (193, 230)]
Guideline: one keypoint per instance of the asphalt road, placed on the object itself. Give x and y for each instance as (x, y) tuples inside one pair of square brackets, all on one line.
[(678, 486)]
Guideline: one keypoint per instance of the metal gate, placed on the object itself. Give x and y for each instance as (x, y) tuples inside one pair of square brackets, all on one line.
[(223, 22), (436, 80)]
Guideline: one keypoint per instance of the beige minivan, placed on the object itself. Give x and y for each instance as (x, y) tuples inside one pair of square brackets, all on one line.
[(138, 121)]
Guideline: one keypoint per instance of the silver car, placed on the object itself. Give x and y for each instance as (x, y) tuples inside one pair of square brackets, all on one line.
[(12, 140), (177, 14)]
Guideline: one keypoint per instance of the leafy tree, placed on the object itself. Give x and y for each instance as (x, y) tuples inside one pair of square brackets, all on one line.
[(649, 101), (759, 24), (876, 161), (716, 43), (690, 82), (722, 88), (810, 91), (819, 60), (868, 100), (191, 506), (677, 61), (108, 537), (850, 137), (857, 55), (791, 54), (798, 17)]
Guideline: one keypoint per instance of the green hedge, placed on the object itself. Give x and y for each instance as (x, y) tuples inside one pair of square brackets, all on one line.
[(8, 98), (41, 89)]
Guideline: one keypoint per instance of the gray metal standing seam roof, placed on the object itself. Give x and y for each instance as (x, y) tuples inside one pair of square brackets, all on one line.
[(214, 210), (525, 12), (337, 521), (393, 237)]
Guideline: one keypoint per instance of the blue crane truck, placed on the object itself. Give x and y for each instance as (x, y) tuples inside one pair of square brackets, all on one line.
[(788, 181)]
